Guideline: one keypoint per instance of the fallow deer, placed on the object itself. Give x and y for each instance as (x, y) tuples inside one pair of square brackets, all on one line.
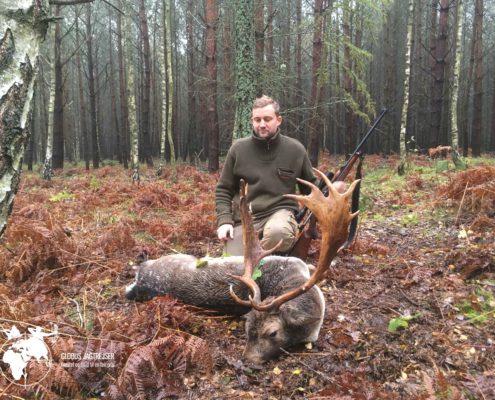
[(284, 306)]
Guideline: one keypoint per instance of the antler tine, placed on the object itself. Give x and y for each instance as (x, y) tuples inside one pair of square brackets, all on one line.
[(333, 215), (253, 252)]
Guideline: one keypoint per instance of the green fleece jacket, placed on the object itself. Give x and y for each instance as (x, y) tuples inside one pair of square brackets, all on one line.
[(270, 167)]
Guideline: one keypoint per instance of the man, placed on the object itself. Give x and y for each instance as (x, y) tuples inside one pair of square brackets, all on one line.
[(270, 163)]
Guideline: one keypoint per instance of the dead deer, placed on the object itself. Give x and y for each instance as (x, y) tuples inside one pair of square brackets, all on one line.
[(284, 306)]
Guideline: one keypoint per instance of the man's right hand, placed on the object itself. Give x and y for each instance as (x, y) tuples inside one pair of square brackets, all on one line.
[(225, 231)]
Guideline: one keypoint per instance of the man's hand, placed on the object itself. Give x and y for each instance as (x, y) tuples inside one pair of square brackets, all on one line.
[(340, 186), (225, 231)]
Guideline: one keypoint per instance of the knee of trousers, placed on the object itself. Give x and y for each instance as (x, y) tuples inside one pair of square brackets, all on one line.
[(273, 234)]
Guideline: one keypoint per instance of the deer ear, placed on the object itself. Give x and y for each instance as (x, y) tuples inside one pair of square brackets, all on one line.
[(293, 314)]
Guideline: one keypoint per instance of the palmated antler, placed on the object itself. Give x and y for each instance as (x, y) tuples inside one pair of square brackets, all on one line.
[(253, 252), (333, 215)]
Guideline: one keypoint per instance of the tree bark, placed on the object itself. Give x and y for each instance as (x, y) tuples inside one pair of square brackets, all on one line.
[(314, 126), (350, 136), (211, 72), (246, 81), (169, 82), (191, 82), (401, 169), (95, 154), (478, 79), (124, 110), (24, 28), (146, 87), (439, 68), (58, 108)]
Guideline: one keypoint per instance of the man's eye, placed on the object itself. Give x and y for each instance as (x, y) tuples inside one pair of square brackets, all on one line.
[(268, 119)]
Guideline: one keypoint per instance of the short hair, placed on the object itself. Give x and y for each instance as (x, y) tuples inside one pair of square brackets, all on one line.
[(264, 101)]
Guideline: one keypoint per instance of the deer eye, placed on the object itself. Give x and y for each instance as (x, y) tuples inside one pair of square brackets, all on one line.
[(273, 334)]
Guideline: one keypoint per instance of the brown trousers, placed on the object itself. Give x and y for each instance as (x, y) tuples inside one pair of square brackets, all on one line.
[(280, 225)]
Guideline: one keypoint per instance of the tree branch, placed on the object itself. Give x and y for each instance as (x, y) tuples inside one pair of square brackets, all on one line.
[(69, 2)]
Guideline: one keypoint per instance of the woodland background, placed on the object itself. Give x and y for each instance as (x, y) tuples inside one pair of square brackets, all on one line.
[(410, 306), (115, 83)]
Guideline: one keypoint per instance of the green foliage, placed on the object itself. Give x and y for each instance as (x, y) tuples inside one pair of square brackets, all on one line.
[(401, 322), (442, 165), (61, 196), (94, 183), (257, 271), (480, 308), (410, 219)]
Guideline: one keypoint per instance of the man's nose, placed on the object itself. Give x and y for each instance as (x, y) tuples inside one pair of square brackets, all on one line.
[(262, 123)]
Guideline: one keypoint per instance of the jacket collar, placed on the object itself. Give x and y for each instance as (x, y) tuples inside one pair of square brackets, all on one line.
[(267, 144)]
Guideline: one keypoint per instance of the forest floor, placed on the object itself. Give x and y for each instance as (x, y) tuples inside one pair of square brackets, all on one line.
[(410, 306)]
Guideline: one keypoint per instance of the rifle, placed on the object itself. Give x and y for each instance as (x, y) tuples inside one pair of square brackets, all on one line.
[(304, 216)]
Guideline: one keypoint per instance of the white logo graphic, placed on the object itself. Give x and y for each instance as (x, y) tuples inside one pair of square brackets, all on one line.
[(20, 349)]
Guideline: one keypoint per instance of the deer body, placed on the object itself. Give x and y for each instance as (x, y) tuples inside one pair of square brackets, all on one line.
[(286, 305), (297, 321)]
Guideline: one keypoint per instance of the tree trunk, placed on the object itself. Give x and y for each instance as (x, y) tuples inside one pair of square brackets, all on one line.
[(246, 81), (314, 126), (457, 65), (439, 68), (407, 82), (350, 137), (24, 28), (168, 85), (432, 131), (478, 79), (47, 167), (95, 154), (259, 35), (124, 110), (58, 108), (82, 102), (113, 95), (299, 95), (130, 95), (269, 35), (211, 76), (146, 87), (191, 82)]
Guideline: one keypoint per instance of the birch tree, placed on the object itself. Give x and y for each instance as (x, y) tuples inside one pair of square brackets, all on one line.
[(47, 171), (131, 101), (23, 26), (401, 169), (168, 84), (455, 91)]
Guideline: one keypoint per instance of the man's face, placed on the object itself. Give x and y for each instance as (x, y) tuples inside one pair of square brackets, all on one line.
[(265, 121)]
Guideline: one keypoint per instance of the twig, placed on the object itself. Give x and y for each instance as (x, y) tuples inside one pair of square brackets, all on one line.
[(461, 203), (81, 319), (438, 306), (408, 299), (324, 376)]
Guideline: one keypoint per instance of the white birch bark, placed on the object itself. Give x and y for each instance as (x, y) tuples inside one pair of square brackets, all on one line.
[(167, 84), (47, 171), (401, 169), (131, 101), (23, 25)]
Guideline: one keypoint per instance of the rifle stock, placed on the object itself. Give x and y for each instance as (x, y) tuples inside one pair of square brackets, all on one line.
[(307, 233)]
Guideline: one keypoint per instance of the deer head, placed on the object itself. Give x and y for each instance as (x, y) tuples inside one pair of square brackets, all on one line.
[(269, 323)]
